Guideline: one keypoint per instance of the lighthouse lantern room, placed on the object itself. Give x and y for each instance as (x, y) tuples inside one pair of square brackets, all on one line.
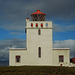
[(38, 16)]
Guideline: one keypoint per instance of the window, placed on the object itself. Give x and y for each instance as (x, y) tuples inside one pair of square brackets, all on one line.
[(36, 24), (39, 52), (61, 58), (18, 58), (39, 32), (46, 24), (31, 24), (41, 24)]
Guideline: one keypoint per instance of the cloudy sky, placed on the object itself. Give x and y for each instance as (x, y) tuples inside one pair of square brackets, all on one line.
[(12, 22)]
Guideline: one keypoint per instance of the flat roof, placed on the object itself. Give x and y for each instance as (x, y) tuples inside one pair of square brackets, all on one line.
[(17, 48), (62, 48)]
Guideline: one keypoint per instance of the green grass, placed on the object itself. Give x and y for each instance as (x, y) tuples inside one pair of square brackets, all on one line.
[(34, 70)]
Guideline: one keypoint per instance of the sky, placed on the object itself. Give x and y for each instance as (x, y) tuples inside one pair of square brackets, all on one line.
[(13, 14)]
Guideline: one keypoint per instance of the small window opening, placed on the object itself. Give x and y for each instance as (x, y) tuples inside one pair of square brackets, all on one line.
[(46, 24), (17, 58), (41, 24), (39, 52), (36, 24), (61, 58), (31, 24), (39, 32)]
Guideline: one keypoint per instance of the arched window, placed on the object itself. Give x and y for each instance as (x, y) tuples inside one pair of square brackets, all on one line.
[(39, 52), (41, 24), (31, 24), (46, 24), (36, 24), (39, 32)]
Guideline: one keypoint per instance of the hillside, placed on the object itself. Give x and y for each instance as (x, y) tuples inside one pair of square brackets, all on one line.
[(33, 70)]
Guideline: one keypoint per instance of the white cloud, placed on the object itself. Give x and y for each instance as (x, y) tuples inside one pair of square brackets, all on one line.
[(63, 28), (17, 33), (5, 44), (66, 44), (57, 28), (14, 26), (70, 27)]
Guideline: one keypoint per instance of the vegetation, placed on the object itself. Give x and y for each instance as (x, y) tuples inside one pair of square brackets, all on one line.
[(34, 70)]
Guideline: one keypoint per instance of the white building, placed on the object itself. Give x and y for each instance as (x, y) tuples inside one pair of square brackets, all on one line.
[(39, 49)]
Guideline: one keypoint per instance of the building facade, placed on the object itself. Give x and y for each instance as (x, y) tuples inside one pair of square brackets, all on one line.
[(39, 49)]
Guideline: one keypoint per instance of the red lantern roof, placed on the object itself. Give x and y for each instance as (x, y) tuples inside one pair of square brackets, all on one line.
[(38, 12)]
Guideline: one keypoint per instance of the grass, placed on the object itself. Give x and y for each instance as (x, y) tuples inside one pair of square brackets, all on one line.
[(37, 70)]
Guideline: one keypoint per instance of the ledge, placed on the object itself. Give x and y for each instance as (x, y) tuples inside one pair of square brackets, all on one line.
[(17, 48), (61, 48), (40, 21), (39, 27)]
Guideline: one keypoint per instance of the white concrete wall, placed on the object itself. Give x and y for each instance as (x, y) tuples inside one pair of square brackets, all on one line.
[(34, 41), (30, 58), (39, 24), (61, 51), (12, 56)]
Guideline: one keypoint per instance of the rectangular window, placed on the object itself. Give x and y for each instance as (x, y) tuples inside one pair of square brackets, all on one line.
[(39, 52), (31, 24), (46, 24), (39, 32), (36, 24), (17, 58), (61, 58)]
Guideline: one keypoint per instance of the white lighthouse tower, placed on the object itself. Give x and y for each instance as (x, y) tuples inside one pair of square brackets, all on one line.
[(39, 38)]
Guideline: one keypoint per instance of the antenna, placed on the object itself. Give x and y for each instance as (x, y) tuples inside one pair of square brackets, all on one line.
[(27, 13), (10, 45)]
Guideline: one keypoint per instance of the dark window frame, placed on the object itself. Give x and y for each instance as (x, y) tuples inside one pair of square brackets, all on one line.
[(39, 52), (39, 32), (18, 58), (41, 24), (61, 58), (31, 24), (36, 24)]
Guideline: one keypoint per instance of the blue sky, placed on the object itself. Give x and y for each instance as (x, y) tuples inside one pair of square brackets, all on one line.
[(13, 16), (64, 30)]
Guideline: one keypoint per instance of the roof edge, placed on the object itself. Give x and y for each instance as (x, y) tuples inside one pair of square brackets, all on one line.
[(17, 48), (38, 12), (62, 48)]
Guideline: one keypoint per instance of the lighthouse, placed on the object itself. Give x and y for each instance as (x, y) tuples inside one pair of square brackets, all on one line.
[(39, 49), (39, 38)]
